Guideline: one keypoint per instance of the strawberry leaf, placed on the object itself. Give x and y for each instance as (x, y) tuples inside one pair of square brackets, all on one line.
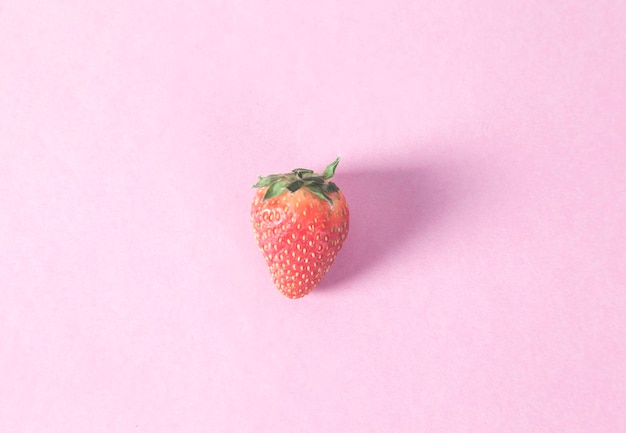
[(266, 181), (330, 170), (295, 185), (332, 187), (301, 170), (319, 192), (275, 189), (314, 179)]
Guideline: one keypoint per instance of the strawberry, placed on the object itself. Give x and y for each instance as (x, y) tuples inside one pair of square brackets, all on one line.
[(300, 221)]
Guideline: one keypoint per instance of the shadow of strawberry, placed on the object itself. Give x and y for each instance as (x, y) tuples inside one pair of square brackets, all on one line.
[(389, 209)]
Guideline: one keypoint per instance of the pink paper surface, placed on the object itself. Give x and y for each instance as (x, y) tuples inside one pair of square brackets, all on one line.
[(481, 288)]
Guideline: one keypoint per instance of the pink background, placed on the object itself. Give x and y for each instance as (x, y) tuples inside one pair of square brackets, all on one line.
[(481, 289)]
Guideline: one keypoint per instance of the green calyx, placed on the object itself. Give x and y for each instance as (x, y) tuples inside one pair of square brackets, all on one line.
[(318, 184)]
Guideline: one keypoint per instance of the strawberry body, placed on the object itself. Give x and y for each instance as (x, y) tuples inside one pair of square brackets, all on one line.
[(299, 232)]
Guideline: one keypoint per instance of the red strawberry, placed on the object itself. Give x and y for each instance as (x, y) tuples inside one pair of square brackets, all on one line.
[(300, 222)]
